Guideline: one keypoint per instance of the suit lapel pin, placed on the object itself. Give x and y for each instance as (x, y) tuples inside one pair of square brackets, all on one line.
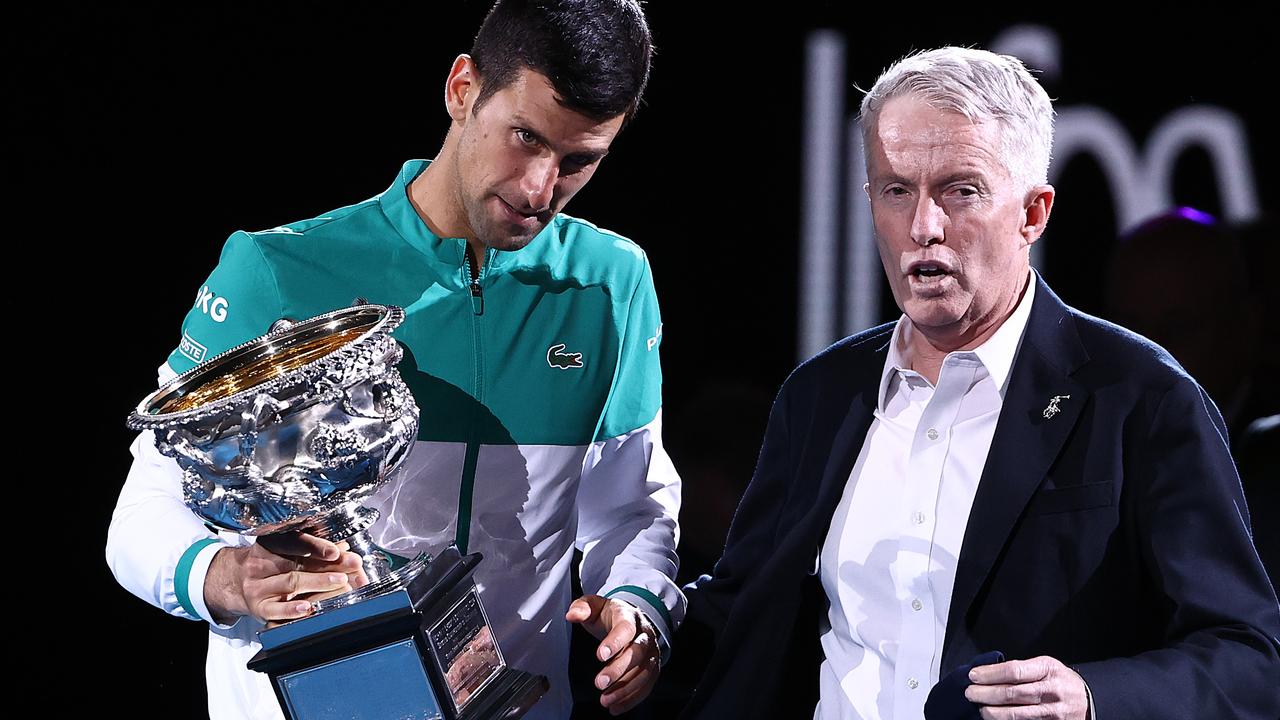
[(1052, 408)]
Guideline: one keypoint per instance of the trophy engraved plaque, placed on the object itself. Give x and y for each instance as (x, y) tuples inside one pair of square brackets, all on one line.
[(291, 432)]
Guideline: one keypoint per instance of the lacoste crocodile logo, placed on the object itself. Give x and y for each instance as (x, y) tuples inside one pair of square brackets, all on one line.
[(563, 360)]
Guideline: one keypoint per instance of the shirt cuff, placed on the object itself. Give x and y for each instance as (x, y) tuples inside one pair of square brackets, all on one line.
[(653, 608), (188, 579)]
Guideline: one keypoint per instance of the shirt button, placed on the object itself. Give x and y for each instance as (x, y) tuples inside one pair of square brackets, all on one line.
[(917, 518), (932, 434), (913, 683), (916, 604)]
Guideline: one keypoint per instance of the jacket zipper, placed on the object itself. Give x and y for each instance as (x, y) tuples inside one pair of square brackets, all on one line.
[(467, 488)]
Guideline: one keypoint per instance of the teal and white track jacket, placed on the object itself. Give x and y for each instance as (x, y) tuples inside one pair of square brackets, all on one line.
[(540, 391)]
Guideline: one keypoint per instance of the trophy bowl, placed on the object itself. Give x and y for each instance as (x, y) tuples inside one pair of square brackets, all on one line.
[(292, 431)]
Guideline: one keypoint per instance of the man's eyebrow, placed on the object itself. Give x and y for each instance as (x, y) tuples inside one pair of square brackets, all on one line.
[(974, 175), (885, 178), (586, 157)]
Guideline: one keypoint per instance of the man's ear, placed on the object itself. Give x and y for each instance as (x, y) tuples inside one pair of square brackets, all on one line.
[(461, 88), (1038, 205)]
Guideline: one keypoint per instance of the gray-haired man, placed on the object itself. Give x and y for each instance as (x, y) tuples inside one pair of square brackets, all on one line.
[(994, 472)]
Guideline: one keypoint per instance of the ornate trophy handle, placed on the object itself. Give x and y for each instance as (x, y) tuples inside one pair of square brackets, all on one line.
[(264, 411), (178, 442)]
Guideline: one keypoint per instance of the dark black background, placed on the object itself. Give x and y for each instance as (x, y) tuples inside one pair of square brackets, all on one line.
[(144, 136)]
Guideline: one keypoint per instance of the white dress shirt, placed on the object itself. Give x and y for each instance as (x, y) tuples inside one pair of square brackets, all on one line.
[(888, 564)]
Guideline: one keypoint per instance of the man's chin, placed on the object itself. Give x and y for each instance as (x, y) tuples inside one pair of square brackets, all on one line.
[(932, 314), (509, 243)]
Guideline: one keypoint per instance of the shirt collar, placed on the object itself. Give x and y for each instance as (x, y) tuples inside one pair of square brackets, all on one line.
[(446, 254), (404, 217), (996, 354)]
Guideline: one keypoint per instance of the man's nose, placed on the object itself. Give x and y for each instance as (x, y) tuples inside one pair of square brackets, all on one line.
[(539, 183), (929, 223)]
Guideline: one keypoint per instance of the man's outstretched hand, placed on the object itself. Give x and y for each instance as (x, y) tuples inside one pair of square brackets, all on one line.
[(628, 647)]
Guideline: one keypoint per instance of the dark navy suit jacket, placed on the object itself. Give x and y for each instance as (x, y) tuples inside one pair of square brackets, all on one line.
[(1112, 536)]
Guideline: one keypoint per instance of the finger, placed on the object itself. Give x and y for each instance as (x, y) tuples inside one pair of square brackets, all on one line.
[(358, 578), (300, 545), (319, 547), (290, 585), (640, 652), (585, 609), (276, 610), (632, 656), (631, 689), (1022, 694), (615, 691), (622, 632), (317, 597), (262, 563), (1013, 672), (346, 563), (1019, 712), (588, 611)]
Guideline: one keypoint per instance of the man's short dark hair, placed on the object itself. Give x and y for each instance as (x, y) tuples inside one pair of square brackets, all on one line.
[(595, 52)]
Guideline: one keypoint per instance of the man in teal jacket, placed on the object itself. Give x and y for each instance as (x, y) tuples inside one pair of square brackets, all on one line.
[(531, 345)]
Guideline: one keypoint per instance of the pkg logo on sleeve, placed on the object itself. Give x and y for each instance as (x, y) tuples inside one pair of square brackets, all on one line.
[(653, 341), (191, 349), (212, 305)]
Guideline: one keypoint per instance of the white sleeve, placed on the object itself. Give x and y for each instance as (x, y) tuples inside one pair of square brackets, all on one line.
[(628, 504), (156, 547)]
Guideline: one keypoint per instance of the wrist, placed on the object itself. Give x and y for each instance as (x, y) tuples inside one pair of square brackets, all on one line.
[(221, 585), (654, 611)]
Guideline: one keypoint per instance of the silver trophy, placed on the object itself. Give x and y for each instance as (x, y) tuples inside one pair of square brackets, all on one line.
[(291, 432)]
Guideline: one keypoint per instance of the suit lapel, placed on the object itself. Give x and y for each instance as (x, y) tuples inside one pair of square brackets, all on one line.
[(1028, 437), (847, 444)]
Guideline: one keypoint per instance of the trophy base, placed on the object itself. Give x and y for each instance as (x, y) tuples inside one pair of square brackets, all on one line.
[(423, 649), (508, 696)]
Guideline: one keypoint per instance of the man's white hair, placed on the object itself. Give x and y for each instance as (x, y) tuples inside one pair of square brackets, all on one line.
[(982, 86)]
